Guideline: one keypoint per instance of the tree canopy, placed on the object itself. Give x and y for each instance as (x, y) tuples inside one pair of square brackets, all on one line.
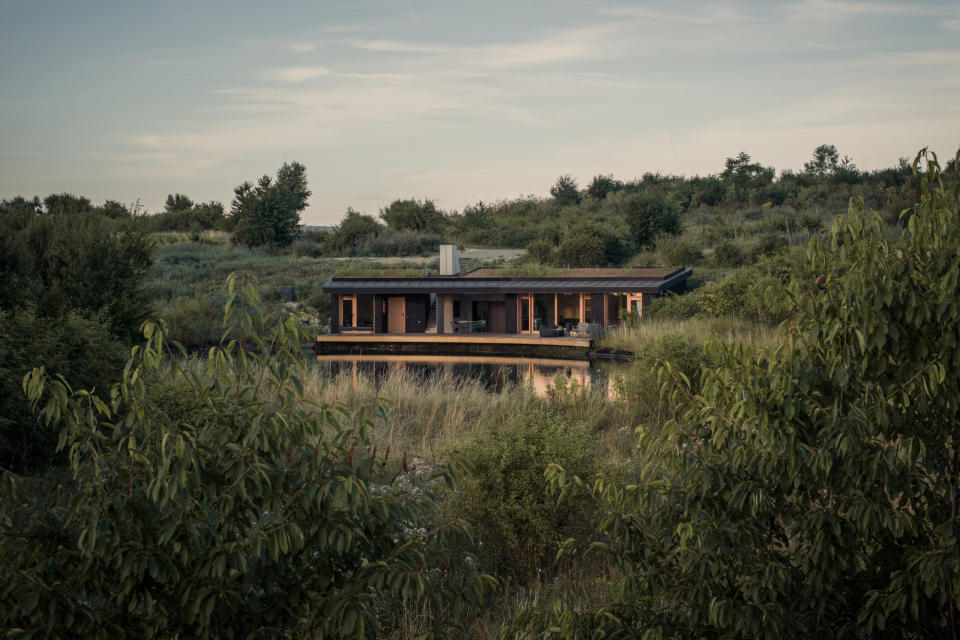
[(177, 202), (268, 213), (413, 215), (565, 191)]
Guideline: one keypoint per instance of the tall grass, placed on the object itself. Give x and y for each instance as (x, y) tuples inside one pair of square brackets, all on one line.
[(638, 337), (207, 236), (429, 415)]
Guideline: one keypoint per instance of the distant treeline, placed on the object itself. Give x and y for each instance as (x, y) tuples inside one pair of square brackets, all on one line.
[(606, 222)]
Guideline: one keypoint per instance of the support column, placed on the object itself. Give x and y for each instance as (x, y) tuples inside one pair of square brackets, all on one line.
[(334, 313), (441, 313)]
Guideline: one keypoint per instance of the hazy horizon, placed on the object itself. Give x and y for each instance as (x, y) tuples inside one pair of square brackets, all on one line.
[(430, 100)]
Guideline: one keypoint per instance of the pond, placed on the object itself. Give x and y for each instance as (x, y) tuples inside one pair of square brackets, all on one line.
[(494, 373)]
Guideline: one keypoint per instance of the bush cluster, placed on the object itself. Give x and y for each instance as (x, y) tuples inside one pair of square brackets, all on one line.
[(506, 499)]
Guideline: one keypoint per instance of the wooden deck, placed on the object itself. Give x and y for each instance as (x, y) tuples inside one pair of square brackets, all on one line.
[(440, 359), (501, 344)]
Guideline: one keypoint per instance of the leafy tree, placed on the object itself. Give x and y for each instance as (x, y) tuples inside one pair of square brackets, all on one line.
[(178, 202), (812, 489), (199, 217), (592, 245), (354, 229), (413, 215), (601, 185), (709, 191), (57, 203), (565, 191), (63, 263), (581, 247), (209, 500), (540, 250), (649, 214), (114, 209), (476, 216), (268, 213), (742, 175), (825, 161), (19, 203)]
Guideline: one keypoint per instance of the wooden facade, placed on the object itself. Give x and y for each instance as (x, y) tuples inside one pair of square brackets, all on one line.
[(487, 302)]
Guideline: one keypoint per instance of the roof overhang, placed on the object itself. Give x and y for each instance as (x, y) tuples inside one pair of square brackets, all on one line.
[(486, 286)]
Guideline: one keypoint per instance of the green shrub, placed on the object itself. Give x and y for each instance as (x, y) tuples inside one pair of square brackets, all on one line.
[(414, 215), (194, 218), (639, 387), (81, 350), (506, 499), (809, 222), (65, 263), (717, 231), (541, 251), (769, 244), (581, 248), (592, 245), (207, 499), (193, 322), (650, 214), (752, 294), (307, 249), (675, 306), (811, 491), (389, 243), (353, 231), (729, 254), (680, 252)]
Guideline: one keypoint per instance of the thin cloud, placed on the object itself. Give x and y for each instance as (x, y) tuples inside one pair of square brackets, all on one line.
[(303, 47), (398, 46), (709, 14), (347, 28), (566, 46), (300, 74), (831, 10), (823, 46)]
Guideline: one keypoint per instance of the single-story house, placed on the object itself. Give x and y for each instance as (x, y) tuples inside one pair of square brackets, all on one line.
[(487, 300)]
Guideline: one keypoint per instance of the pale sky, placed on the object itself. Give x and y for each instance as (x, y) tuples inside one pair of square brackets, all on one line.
[(457, 102)]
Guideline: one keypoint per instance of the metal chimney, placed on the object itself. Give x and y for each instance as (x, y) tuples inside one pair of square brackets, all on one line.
[(449, 260)]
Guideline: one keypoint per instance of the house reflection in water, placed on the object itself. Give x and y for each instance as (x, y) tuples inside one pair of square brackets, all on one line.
[(493, 373)]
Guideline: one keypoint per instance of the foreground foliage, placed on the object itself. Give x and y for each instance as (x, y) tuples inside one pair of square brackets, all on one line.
[(79, 349), (212, 502), (506, 498), (812, 490)]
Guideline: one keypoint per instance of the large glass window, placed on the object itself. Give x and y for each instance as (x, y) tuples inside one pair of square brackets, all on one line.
[(525, 314), (365, 310), (346, 315), (543, 310), (568, 309), (616, 307)]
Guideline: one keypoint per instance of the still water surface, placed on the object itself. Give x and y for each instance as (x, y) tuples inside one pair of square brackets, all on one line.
[(494, 373)]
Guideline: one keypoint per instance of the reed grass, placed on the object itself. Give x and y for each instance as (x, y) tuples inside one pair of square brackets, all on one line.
[(636, 338), (429, 415), (207, 236)]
